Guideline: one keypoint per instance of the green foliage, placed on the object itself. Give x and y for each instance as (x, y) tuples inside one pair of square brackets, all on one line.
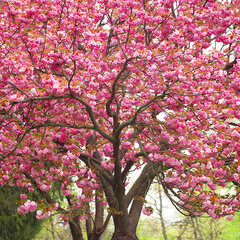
[(12, 224), (231, 229), (187, 228), (56, 193), (149, 228), (52, 230), (205, 228)]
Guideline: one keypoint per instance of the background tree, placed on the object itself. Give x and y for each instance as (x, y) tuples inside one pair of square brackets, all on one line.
[(199, 228), (12, 224), (52, 229), (92, 90)]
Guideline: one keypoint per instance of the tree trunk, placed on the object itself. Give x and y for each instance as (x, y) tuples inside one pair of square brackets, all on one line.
[(117, 235), (76, 229), (120, 236), (123, 234), (94, 236), (96, 227)]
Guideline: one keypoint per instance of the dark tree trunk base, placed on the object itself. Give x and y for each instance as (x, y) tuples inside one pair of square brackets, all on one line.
[(94, 237), (120, 236), (75, 228)]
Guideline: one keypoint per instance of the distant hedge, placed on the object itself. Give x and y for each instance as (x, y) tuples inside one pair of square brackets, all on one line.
[(14, 226)]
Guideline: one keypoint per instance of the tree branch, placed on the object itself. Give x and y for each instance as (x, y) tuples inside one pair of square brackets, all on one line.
[(91, 161), (147, 174), (135, 211), (44, 194), (109, 102), (93, 119)]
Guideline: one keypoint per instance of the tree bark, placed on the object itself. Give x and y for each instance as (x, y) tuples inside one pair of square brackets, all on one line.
[(120, 235), (75, 228), (94, 236), (96, 227)]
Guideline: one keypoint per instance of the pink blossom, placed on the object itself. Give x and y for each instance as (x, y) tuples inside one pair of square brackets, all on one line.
[(62, 137), (64, 223), (104, 203), (56, 206), (23, 209), (183, 197), (130, 87), (23, 196), (147, 211), (236, 134), (107, 165), (27, 206), (45, 187), (67, 192), (39, 215), (31, 206), (230, 218)]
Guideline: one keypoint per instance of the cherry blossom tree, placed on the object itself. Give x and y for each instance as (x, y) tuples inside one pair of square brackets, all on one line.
[(93, 90)]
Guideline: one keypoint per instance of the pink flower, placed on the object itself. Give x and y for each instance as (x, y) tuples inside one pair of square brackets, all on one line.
[(45, 187), (32, 206), (236, 134), (63, 137), (39, 215), (67, 192), (28, 206), (147, 211), (104, 203), (56, 206), (26, 150), (183, 197), (107, 165), (30, 189), (22, 209), (230, 218), (23, 196), (63, 217)]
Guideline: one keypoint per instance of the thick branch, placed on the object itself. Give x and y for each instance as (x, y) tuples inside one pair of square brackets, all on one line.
[(109, 102), (52, 124), (93, 119), (135, 211), (129, 165), (32, 99), (146, 175), (126, 169), (91, 161), (109, 42)]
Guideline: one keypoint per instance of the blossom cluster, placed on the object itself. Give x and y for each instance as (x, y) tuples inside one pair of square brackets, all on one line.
[(28, 206), (92, 90)]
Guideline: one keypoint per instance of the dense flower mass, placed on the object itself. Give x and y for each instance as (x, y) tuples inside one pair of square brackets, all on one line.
[(29, 206), (92, 90)]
